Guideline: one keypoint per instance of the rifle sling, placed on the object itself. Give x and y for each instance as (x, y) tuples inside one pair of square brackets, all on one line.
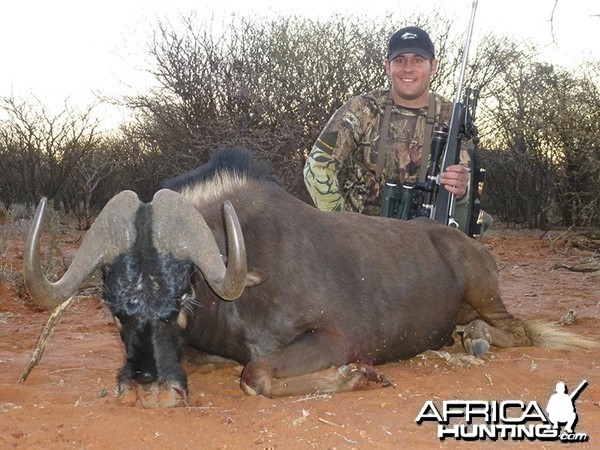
[(430, 121), (383, 137)]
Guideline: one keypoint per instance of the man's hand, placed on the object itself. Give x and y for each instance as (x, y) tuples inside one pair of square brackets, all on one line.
[(455, 179)]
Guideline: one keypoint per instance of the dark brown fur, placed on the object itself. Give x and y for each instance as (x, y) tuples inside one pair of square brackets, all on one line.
[(328, 295), (342, 288)]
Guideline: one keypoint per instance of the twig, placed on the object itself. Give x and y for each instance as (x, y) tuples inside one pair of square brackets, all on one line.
[(489, 377), (553, 241), (328, 422), (351, 441), (68, 369), (552, 22), (45, 336), (576, 269), (315, 396)]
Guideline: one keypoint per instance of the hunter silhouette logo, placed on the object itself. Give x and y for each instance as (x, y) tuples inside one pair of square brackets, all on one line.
[(516, 420), (561, 406)]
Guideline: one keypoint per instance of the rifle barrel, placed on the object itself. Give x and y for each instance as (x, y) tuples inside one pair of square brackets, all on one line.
[(465, 58)]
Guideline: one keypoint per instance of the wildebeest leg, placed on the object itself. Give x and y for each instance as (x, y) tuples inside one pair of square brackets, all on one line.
[(348, 377), (314, 362), (495, 324)]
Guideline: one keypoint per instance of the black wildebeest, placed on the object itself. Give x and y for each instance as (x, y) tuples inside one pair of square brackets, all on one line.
[(320, 297)]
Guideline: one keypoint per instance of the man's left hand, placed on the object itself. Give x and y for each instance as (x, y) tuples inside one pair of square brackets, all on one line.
[(455, 179)]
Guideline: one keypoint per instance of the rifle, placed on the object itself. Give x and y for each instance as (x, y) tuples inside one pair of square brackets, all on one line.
[(438, 203), (578, 390)]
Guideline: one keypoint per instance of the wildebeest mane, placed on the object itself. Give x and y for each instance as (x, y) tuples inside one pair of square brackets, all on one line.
[(233, 161)]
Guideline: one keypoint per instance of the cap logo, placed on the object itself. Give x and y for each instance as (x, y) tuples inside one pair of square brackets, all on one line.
[(409, 35)]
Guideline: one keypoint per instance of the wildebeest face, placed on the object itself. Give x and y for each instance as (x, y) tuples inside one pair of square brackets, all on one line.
[(146, 292)]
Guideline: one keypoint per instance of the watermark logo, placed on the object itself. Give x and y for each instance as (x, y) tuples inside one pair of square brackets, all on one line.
[(472, 420)]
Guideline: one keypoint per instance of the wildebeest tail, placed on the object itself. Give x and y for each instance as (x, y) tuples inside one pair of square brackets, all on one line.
[(553, 337)]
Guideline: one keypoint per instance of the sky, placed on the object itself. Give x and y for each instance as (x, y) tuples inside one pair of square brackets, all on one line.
[(73, 50)]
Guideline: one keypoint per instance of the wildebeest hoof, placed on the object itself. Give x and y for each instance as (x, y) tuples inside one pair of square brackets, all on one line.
[(477, 338), (476, 347), (155, 395)]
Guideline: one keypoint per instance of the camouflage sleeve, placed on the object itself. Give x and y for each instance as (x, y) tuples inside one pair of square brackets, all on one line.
[(320, 174), (335, 144)]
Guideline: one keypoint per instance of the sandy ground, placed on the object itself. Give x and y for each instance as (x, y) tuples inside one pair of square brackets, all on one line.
[(69, 399)]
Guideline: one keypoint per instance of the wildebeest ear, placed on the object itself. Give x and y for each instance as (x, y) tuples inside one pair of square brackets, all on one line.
[(255, 276)]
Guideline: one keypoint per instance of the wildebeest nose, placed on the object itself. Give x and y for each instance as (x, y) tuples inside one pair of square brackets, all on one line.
[(145, 377)]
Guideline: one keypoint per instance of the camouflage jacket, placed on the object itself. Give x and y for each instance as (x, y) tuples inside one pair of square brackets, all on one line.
[(340, 170)]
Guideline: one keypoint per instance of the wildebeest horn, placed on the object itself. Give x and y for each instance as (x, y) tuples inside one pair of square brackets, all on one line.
[(181, 230), (111, 234)]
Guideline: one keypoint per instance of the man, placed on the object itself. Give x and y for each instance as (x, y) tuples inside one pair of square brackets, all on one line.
[(342, 173)]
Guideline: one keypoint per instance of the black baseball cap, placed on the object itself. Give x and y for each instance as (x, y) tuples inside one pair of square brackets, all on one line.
[(410, 40)]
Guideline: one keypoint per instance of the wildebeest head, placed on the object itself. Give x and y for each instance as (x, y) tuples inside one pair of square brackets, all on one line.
[(177, 228), (148, 253)]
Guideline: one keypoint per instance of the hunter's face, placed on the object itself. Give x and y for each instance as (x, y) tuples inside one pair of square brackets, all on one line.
[(410, 75)]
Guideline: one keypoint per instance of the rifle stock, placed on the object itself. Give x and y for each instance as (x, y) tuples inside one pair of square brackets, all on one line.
[(444, 202)]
